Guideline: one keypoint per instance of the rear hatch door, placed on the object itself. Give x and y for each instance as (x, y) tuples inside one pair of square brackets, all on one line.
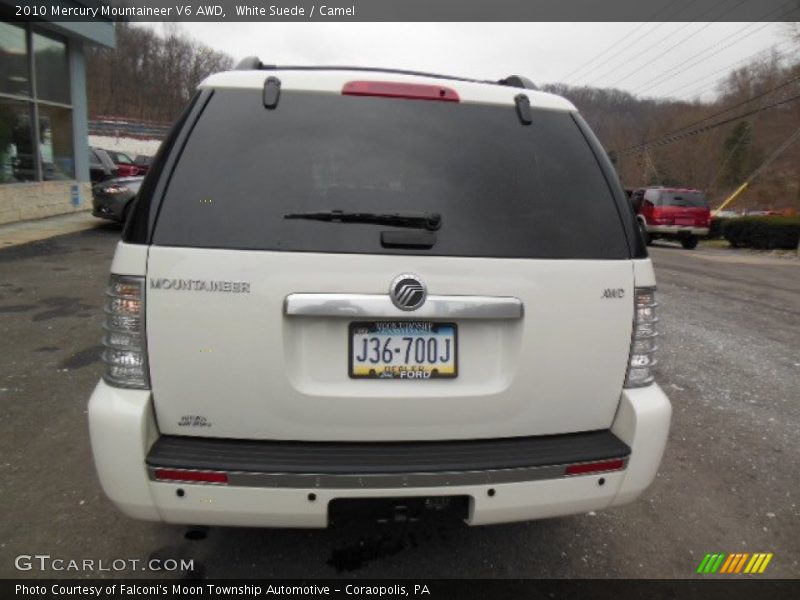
[(256, 321)]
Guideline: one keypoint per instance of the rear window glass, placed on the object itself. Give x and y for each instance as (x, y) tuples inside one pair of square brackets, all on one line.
[(686, 199), (502, 189)]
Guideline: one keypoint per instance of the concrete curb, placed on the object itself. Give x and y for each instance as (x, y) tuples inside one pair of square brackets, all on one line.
[(23, 232)]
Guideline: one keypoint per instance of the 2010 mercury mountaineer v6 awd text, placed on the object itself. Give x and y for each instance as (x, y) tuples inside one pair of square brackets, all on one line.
[(346, 285)]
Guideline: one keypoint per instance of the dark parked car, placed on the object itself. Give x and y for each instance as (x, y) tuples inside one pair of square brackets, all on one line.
[(101, 165), (112, 199), (143, 161)]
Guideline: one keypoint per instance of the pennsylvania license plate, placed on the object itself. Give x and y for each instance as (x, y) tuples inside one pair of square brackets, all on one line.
[(403, 350)]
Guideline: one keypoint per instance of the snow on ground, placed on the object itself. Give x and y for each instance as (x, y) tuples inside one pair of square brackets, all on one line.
[(130, 146)]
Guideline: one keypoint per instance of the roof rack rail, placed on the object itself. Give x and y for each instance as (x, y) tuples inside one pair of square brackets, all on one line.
[(254, 63), (518, 81)]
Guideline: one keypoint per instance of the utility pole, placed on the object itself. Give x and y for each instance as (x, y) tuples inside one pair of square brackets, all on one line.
[(778, 151)]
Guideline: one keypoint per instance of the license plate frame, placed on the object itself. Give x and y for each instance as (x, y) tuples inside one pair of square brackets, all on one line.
[(394, 375)]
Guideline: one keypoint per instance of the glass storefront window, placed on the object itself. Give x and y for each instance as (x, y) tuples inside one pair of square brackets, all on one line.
[(36, 137), (52, 69), (16, 142), (55, 142), (13, 61)]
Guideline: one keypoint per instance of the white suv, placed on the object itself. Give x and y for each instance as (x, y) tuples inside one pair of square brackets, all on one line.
[(342, 284)]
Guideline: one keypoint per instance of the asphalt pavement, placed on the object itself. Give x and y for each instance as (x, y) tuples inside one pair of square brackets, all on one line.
[(729, 360)]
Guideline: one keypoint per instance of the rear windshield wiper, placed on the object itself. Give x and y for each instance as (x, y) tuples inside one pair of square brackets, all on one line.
[(429, 221)]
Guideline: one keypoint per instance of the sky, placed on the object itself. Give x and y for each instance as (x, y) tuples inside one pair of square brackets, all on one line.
[(677, 60)]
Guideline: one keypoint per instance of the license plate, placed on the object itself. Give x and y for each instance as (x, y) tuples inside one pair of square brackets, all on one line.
[(403, 350), (684, 222)]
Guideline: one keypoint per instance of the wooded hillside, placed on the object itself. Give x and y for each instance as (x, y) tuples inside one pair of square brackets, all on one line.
[(148, 76), (706, 145)]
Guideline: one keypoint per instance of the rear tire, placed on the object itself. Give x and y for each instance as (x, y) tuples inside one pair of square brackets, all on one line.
[(690, 243)]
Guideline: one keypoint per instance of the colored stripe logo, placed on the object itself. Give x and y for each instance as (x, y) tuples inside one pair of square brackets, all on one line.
[(732, 564)]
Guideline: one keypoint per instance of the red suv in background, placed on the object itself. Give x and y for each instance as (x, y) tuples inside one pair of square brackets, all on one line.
[(124, 163), (680, 214)]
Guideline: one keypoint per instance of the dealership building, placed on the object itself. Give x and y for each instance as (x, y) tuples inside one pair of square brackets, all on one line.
[(44, 147)]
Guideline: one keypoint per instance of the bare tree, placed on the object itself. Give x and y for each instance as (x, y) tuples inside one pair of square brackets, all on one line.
[(149, 75)]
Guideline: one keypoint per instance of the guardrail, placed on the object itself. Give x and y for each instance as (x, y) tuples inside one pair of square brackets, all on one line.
[(128, 128)]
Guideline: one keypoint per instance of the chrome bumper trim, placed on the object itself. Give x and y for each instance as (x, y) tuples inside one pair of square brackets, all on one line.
[(385, 481)]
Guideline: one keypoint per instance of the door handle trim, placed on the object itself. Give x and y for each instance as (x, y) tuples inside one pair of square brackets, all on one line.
[(381, 306)]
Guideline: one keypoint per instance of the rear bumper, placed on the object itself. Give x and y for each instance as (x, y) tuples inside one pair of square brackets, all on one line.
[(275, 491), (677, 230), (108, 208), (104, 214)]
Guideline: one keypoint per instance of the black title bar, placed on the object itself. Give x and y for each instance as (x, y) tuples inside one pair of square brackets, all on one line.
[(403, 10), (731, 588)]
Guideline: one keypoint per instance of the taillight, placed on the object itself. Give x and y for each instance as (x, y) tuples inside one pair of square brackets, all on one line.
[(643, 339), (595, 467), (659, 217), (391, 89), (125, 353), (190, 476)]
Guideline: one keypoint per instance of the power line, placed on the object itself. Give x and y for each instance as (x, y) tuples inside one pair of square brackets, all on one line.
[(654, 45), (631, 42), (679, 42), (742, 103), (627, 38), (791, 140), (665, 75), (709, 84), (741, 138), (675, 136), (611, 47), (660, 55), (788, 142)]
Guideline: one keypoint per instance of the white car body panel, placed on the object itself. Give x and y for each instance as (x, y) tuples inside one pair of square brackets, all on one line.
[(123, 428), (252, 372), (232, 364)]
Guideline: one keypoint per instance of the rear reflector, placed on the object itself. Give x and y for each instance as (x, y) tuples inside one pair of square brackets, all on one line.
[(596, 467), (409, 91), (191, 476)]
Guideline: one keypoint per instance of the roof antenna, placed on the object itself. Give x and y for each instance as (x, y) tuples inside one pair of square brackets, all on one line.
[(249, 63)]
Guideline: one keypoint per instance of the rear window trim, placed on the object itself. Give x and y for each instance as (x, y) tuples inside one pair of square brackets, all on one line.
[(140, 227), (636, 246)]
